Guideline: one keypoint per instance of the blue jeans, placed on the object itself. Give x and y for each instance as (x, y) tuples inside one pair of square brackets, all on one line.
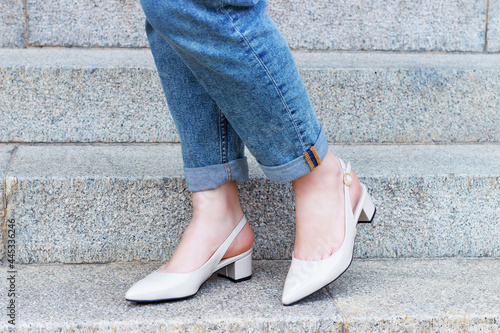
[(230, 81)]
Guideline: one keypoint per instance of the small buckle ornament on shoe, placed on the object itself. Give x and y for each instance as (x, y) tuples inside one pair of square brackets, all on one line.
[(347, 179)]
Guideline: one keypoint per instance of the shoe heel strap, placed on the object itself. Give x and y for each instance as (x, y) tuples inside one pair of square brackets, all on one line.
[(346, 169), (229, 240), (347, 179)]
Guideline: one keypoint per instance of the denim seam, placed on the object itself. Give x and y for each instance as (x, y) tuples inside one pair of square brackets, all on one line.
[(223, 136), (308, 160), (268, 75), (227, 173), (230, 172), (296, 168)]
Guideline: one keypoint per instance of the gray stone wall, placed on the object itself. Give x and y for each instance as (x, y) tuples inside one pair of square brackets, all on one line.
[(89, 95), (493, 39), (12, 23), (405, 89), (381, 25)]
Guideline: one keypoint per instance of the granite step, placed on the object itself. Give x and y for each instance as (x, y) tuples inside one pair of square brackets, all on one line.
[(99, 95), (99, 203), (390, 25), (376, 295)]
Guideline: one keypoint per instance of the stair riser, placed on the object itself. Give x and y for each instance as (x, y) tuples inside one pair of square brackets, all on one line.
[(376, 102), (323, 24), (101, 220)]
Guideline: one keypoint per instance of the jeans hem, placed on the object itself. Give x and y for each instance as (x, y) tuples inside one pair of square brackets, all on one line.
[(301, 165), (213, 176)]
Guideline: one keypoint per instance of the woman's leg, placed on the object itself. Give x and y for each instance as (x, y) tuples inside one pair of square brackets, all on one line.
[(212, 151), (210, 148), (239, 57)]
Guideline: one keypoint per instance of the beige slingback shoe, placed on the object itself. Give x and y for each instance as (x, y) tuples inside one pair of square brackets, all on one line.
[(160, 286), (305, 276)]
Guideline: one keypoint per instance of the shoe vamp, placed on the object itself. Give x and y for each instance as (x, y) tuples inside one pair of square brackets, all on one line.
[(305, 272), (176, 284)]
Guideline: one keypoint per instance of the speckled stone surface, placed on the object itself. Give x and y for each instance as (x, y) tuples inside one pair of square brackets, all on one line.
[(494, 26), (381, 25), (115, 96), (392, 295), (405, 97), (320, 24), (82, 96), (91, 298), (452, 295), (108, 198), (5, 156), (12, 23), (102, 203), (86, 23)]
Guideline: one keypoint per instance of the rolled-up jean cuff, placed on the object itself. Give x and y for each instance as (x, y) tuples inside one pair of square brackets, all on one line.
[(212, 176), (299, 166)]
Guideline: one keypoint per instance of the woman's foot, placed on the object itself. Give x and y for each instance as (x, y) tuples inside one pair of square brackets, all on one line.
[(319, 209), (216, 213)]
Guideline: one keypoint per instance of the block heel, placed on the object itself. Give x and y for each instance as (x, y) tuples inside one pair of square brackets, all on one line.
[(240, 270), (368, 209)]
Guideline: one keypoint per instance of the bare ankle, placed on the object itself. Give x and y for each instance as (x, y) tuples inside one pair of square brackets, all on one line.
[(324, 175), (221, 203)]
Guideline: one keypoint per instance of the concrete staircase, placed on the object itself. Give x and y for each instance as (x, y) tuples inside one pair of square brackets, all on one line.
[(92, 181)]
